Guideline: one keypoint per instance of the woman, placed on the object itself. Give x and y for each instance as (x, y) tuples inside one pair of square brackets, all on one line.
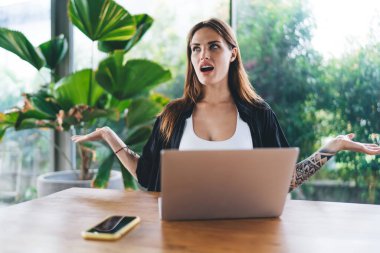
[(219, 110)]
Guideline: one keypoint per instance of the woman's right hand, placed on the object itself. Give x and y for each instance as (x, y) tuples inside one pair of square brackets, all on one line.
[(98, 135), (128, 159)]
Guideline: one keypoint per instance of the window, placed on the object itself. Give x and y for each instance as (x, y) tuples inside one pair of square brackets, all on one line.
[(316, 64), (24, 154)]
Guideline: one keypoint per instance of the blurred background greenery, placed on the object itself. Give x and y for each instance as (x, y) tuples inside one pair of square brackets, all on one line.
[(315, 95)]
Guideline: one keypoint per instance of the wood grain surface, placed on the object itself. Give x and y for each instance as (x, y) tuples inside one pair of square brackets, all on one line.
[(54, 223)]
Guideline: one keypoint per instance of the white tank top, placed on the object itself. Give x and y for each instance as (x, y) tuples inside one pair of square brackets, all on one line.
[(240, 140)]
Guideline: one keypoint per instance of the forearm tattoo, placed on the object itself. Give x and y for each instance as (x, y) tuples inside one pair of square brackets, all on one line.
[(308, 167)]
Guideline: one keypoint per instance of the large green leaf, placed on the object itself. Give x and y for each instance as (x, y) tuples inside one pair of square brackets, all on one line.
[(23, 120), (128, 180), (44, 102), (120, 105), (34, 115), (137, 136), (18, 44), (143, 23), (159, 98), (54, 50), (104, 172), (9, 118), (141, 111), (76, 115), (77, 89), (127, 80), (33, 123), (3, 130), (102, 20)]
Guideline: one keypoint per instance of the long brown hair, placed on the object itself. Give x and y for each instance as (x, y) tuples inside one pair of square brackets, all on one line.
[(238, 81)]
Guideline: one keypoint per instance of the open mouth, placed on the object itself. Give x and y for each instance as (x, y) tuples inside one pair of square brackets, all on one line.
[(207, 68)]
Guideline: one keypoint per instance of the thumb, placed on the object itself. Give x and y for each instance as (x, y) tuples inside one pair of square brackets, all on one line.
[(351, 136)]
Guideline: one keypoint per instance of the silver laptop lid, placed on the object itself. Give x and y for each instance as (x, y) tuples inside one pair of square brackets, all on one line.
[(225, 184)]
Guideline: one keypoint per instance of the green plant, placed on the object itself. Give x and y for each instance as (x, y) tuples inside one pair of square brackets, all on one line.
[(91, 98)]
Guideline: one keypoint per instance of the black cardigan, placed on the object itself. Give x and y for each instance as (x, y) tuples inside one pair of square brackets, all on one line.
[(264, 127)]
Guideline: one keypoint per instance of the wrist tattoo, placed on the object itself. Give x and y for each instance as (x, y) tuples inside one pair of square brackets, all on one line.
[(130, 151), (308, 167), (117, 151)]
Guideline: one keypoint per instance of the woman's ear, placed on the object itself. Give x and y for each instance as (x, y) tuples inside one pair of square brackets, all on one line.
[(234, 54)]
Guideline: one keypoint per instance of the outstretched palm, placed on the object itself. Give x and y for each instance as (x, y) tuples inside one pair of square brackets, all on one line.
[(345, 142)]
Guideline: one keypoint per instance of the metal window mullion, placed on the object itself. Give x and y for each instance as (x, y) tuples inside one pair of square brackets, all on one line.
[(60, 24), (233, 15)]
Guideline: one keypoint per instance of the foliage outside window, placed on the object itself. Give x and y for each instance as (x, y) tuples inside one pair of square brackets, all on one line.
[(315, 97)]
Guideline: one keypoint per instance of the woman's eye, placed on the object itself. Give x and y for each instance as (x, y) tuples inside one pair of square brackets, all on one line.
[(213, 46), (196, 49)]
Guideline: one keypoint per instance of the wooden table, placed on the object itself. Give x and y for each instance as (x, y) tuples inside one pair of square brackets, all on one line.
[(54, 223)]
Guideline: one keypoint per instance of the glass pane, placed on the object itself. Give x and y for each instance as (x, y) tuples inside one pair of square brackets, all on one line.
[(23, 154), (318, 68)]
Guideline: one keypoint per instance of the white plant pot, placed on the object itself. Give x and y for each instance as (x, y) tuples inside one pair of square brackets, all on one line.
[(60, 180)]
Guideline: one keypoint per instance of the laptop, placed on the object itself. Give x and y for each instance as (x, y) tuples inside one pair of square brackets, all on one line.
[(225, 184)]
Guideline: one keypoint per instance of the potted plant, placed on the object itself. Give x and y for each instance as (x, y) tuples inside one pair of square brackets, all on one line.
[(117, 93)]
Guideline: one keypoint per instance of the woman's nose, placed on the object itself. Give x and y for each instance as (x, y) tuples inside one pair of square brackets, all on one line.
[(205, 55)]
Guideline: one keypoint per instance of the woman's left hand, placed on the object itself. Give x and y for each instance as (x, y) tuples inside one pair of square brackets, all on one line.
[(345, 142)]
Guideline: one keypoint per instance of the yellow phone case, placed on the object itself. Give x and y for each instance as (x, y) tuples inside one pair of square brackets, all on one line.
[(106, 236)]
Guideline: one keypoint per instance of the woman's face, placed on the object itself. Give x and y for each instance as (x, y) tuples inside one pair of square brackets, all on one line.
[(211, 56)]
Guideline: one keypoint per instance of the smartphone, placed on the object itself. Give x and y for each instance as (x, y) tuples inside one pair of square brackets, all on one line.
[(112, 228)]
